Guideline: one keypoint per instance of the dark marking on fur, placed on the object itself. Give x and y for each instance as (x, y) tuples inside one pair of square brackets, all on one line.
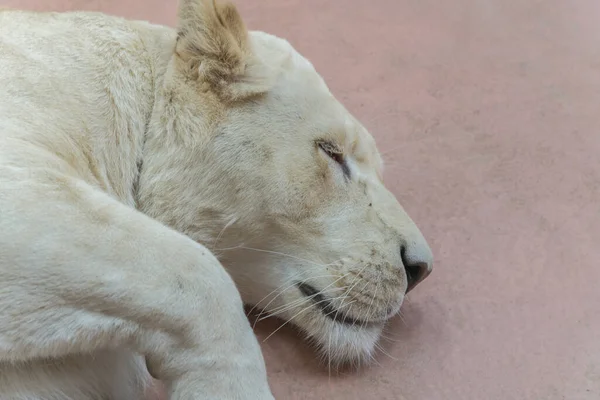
[(136, 182), (179, 282), (266, 153)]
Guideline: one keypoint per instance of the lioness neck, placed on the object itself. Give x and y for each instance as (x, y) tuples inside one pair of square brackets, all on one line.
[(127, 121), (107, 73)]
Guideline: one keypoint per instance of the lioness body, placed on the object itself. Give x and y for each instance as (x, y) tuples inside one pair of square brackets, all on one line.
[(123, 145), (67, 116)]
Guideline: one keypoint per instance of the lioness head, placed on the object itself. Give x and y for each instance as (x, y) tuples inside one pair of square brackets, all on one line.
[(250, 154)]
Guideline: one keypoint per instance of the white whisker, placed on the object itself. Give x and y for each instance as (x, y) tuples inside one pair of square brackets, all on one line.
[(291, 319), (290, 285), (227, 225), (273, 252)]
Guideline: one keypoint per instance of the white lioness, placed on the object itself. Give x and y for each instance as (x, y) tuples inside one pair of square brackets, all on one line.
[(135, 161)]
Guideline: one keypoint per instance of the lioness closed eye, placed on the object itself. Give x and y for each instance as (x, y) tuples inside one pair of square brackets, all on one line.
[(135, 161)]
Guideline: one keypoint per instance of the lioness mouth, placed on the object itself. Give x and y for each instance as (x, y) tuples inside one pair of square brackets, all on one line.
[(327, 308)]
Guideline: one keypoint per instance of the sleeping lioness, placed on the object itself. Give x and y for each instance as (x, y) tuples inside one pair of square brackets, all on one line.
[(135, 162)]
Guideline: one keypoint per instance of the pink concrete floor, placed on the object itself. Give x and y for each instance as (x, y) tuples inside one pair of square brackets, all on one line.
[(488, 114)]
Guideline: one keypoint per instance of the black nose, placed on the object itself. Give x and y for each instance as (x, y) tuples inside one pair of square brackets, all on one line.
[(416, 270)]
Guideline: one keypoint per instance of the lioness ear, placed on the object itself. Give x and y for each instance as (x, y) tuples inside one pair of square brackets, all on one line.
[(213, 43)]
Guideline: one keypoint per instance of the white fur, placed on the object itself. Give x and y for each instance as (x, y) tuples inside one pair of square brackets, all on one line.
[(122, 148)]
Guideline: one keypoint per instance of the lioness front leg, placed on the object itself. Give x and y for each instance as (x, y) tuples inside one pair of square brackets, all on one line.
[(82, 272)]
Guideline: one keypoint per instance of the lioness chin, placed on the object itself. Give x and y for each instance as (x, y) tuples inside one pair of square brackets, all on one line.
[(135, 162)]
